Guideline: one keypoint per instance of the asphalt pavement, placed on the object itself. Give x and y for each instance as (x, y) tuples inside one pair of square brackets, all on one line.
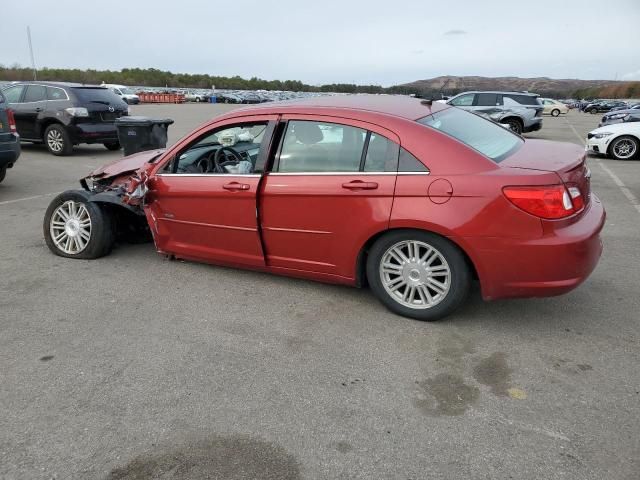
[(133, 366)]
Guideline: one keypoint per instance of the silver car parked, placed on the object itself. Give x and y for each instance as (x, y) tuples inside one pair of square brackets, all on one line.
[(522, 111)]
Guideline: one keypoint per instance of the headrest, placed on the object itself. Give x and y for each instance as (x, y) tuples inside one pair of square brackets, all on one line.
[(307, 132)]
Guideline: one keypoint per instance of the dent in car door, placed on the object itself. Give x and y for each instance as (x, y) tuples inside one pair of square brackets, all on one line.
[(208, 217), (318, 221)]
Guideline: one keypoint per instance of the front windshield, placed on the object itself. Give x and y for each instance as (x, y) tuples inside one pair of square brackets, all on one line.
[(127, 91), (483, 135)]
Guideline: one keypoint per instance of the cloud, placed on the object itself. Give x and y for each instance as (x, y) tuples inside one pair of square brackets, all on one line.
[(456, 32)]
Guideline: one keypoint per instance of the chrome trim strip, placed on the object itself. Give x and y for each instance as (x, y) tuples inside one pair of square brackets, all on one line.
[(350, 174), (240, 175), (209, 225), (295, 230)]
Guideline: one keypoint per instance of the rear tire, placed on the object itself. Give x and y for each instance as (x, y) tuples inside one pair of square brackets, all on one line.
[(112, 146), (624, 148), (418, 274), (515, 125), (76, 228), (57, 140), (3, 173), (555, 112)]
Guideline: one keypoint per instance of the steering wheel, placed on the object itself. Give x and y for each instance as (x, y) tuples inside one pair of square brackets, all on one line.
[(218, 166)]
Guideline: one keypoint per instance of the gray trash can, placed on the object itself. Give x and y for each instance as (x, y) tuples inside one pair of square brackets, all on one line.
[(138, 134)]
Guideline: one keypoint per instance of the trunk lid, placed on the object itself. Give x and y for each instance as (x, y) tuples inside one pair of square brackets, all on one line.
[(567, 160)]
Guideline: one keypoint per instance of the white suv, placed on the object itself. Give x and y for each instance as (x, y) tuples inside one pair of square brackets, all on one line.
[(123, 92)]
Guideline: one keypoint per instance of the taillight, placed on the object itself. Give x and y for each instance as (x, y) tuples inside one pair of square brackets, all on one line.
[(546, 201), (12, 121)]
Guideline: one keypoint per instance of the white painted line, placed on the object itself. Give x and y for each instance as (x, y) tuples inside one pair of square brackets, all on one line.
[(623, 188), (7, 202)]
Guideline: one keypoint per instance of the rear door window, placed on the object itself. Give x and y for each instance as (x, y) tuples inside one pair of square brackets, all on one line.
[(35, 93), (382, 154), (13, 94), (463, 100)]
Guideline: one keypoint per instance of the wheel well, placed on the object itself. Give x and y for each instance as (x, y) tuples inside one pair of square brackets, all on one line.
[(45, 124), (517, 119), (361, 262)]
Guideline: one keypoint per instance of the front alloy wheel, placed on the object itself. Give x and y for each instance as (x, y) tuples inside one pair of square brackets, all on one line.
[(74, 227), (70, 227), (624, 148), (418, 274)]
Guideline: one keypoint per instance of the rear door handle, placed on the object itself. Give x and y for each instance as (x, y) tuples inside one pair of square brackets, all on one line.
[(360, 185), (234, 186), (39, 109)]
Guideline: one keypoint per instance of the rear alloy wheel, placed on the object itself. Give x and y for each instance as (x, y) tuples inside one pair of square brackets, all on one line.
[(624, 148), (76, 228), (418, 274), (555, 112), (112, 146), (515, 126), (57, 140)]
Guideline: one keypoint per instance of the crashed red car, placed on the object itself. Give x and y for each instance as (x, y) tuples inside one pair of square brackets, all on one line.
[(411, 198)]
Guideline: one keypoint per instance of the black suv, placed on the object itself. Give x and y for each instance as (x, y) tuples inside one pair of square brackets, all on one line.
[(9, 139), (65, 114)]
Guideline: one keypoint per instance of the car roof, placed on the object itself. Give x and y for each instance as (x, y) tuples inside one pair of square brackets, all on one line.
[(499, 91), (52, 84), (395, 105)]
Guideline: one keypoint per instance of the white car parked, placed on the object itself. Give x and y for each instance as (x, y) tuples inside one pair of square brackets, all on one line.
[(620, 140), (553, 107), (123, 92)]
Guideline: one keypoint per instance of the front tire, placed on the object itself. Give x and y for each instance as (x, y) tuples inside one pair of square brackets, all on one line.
[(3, 173), (76, 228), (112, 146), (555, 112), (624, 147), (418, 274), (57, 140), (593, 111)]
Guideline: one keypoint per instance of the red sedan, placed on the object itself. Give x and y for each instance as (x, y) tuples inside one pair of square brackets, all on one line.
[(414, 199)]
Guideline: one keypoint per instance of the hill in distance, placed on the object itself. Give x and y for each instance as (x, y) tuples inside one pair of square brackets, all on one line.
[(449, 85)]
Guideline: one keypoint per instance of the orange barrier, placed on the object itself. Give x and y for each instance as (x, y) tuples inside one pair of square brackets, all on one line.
[(161, 97)]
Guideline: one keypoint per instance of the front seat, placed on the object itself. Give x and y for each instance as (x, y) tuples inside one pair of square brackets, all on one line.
[(312, 157)]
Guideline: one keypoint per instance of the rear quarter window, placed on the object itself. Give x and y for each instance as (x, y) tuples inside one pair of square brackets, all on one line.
[(523, 99)]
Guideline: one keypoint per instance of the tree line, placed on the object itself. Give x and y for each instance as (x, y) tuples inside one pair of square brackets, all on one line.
[(152, 77)]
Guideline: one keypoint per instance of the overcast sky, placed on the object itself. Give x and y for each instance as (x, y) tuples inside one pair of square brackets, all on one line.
[(361, 41)]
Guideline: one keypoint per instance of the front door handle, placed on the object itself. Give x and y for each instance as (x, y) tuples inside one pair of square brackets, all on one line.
[(39, 109), (360, 185), (235, 186)]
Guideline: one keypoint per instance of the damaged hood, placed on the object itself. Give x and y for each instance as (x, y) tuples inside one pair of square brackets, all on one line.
[(128, 164)]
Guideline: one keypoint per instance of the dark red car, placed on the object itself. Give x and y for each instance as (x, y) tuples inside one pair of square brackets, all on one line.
[(415, 200)]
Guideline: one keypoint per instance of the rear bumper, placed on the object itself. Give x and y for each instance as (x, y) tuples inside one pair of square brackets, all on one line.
[(9, 150), (534, 126), (551, 265), (93, 132)]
